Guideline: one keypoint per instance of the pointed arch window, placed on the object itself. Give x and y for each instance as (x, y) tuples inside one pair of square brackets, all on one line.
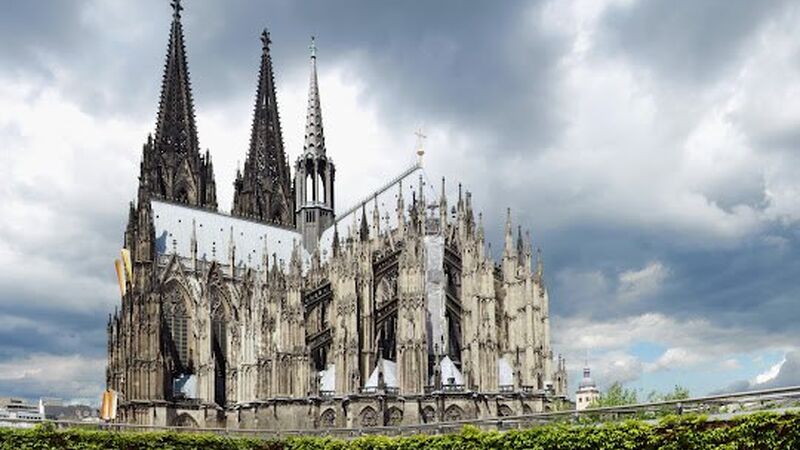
[(219, 331), (310, 193), (177, 320), (321, 193), (219, 349)]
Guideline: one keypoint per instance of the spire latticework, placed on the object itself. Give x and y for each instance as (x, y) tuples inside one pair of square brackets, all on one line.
[(314, 139), (263, 189), (175, 129), (314, 171), (173, 167)]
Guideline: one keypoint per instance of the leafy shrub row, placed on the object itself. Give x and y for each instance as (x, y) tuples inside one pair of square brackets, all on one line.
[(758, 431)]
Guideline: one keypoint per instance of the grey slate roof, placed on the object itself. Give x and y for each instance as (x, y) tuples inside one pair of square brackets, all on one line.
[(173, 226)]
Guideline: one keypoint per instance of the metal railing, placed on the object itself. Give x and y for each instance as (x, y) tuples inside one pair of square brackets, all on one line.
[(778, 399)]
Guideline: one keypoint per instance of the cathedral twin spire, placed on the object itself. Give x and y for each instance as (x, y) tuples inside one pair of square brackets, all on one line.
[(175, 129), (263, 190), (174, 168)]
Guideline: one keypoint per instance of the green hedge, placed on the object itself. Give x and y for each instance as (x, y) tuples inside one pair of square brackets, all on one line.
[(758, 431)]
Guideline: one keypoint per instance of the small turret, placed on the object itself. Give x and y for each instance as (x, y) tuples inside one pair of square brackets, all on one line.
[(480, 239), (265, 257), (443, 208), (335, 244), (363, 231), (509, 236), (527, 253), (193, 245), (401, 217), (539, 266), (376, 218), (231, 253)]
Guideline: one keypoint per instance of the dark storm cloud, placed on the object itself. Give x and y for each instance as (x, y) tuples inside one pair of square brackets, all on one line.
[(478, 64), (30, 28), (750, 287), (788, 375), (485, 67), (61, 333), (482, 65), (684, 41)]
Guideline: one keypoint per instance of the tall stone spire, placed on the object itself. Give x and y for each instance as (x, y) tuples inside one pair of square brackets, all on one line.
[(263, 190), (175, 129), (314, 139), (173, 167), (314, 171)]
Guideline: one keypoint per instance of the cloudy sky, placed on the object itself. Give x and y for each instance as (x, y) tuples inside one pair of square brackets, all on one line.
[(650, 147)]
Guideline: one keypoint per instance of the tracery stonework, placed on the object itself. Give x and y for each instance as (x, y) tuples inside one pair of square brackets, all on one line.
[(369, 418), (428, 414), (504, 411), (453, 413), (287, 314), (395, 417), (328, 419)]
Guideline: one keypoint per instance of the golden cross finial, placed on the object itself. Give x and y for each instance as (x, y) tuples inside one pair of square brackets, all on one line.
[(420, 142)]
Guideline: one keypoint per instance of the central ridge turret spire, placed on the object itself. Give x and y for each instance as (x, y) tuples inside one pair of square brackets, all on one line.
[(314, 139), (314, 171)]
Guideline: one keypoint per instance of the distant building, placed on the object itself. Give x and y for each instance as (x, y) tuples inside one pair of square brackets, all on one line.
[(17, 408), (587, 391), (55, 409)]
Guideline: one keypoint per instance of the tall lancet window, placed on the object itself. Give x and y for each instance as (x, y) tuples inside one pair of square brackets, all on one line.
[(321, 189), (177, 320), (219, 349), (309, 188)]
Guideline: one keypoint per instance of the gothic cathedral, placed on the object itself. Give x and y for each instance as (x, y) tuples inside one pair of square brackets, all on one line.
[(286, 315)]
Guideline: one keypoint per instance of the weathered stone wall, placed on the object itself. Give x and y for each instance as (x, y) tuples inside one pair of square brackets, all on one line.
[(363, 411)]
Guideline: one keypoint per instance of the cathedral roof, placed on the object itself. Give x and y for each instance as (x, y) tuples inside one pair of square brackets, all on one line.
[(449, 370), (505, 374), (386, 200), (389, 370), (327, 381), (175, 225)]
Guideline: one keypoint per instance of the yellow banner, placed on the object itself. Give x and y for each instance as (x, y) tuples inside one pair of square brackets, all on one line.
[(120, 277), (108, 408), (126, 260)]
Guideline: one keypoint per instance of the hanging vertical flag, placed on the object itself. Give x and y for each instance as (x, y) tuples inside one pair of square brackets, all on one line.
[(108, 407), (126, 260), (120, 277)]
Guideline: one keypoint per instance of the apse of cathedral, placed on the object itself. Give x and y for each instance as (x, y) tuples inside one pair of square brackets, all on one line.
[(284, 314)]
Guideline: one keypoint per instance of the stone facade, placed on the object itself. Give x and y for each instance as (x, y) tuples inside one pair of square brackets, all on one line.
[(284, 315)]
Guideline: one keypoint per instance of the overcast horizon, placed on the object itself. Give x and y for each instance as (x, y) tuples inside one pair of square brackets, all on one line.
[(651, 148)]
